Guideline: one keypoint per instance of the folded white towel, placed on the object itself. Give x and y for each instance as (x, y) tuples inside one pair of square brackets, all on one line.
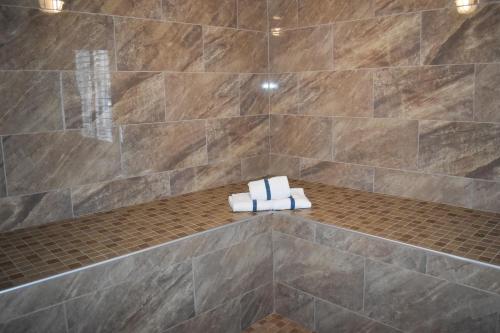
[(269, 188), (242, 202)]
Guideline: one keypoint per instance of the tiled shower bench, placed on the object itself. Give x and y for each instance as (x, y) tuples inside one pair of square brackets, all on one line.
[(356, 262)]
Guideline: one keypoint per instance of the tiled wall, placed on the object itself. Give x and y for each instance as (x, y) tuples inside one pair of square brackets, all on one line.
[(117, 102), (395, 96)]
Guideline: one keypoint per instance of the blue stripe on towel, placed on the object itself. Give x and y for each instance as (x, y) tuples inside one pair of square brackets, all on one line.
[(268, 188), (254, 202), (292, 203)]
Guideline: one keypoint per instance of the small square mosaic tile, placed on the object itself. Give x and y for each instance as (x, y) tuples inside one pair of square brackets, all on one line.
[(276, 323)]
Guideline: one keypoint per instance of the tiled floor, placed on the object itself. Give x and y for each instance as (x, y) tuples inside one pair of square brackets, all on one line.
[(275, 323), (30, 254)]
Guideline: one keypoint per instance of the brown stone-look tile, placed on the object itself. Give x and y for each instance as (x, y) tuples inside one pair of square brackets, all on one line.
[(379, 142), (230, 50), (35, 209), (314, 12), (207, 12), (30, 102), (237, 137), (3, 188), (388, 7), (135, 97), (206, 176), (451, 38), (254, 94), (301, 136), (337, 174), (156, 46), (487, 95), (201, 95), (345, 93), (301, 50), (118, 193), (486, 195), (453, 148), (35, 40), (252, 14), (255, 167), (441, 93), (161, 147), (435, 188), (284, 99), (283, 14), (45, 161), (280, 165), (380, 42)]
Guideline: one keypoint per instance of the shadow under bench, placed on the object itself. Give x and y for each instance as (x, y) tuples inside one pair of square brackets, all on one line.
[(356, 262)]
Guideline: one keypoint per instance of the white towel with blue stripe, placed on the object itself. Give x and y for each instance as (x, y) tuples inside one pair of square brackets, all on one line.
[(243, 202), (270, 188)]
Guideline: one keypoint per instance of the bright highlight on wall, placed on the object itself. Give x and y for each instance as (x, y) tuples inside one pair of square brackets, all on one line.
[(51, 6), (466, 6)]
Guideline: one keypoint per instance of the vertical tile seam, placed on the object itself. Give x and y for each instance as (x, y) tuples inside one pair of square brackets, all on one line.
[(114, 43), (61, 96), (65, 311), (4, 166), (194, 287), (164, 78)]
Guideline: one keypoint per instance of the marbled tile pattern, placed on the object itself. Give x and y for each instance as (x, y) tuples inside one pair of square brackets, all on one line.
[(487, 102), (3, 189), (255, 167), (276, 323), (285, 98), (283, 14), (314, 12), (254, 96), (209, 12), (386, 7), (252, 14)]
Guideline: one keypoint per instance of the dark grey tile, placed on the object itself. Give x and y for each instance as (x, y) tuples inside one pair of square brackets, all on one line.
[(256, 305), (3, 185), (34, 209), (371, 247), (319, 270), (333, 318), (464, 272), (159, 301), (294, 305), (228, 273), (415, 302), (293, 226), (47, 320), (255, 226), (487, 94)]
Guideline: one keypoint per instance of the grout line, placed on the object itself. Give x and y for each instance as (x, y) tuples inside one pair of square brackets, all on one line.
[(194, 287), (61, 96), (4, 166), (115, 44), (65, 311)]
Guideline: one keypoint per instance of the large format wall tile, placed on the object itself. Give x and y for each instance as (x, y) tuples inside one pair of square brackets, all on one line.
[(381, 42), (3, 186), (486, 195), (256, 304), (283, 14), (34, 209), (255, 167), (333, 318), (124, 192), (40, 41), (318, 270), (294, 305), (451, 38), (135, 97), (155, 46), (440, 93), (230, 50), (45, 161), (206, 176), (314, 12), (460, 149), (487, 97), (378, 142), (237, 137), (284, 99), (252, 14), (371, 247), (280, 165), (254, 96), (153, 304), (301, 136), (301, 50), (388, 7), (201, 95), (337, 174), (225, 274), (48, 320), (293, 226), (208, 12), (161, 147), (428, 187), (346, 93), (419, 303), (30, 102)]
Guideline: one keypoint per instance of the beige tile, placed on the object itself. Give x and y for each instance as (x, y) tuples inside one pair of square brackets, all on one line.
[(301, 136), (284, 98), (382, 42), (252, 14), (283, 14), (209, 12), (156, 46), (255, 167), (254, 94), (280, 165), (378, 142), (230, 50), (30, 102), (487, 94), (301, 50), (201, 95), (314, 12)]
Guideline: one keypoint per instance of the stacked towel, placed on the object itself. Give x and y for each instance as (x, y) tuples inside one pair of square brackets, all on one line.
[(270, 189), (243, 202)]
